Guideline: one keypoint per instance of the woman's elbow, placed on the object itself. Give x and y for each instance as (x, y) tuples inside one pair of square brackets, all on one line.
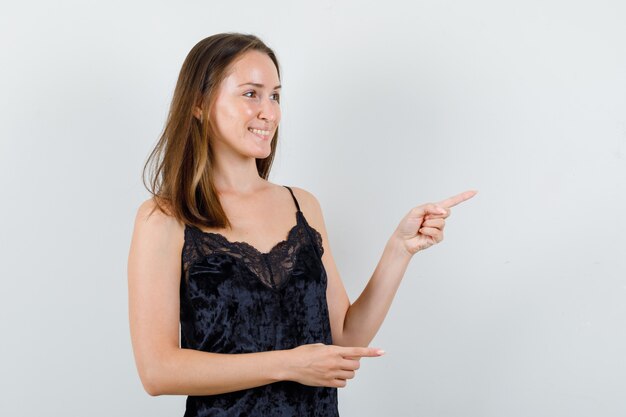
[(152, 380), (149, 386)]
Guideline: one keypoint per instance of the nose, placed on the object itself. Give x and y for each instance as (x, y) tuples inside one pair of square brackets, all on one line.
[(269, 110)]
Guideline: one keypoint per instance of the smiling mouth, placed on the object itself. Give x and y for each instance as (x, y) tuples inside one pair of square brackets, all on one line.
[(263, 134)]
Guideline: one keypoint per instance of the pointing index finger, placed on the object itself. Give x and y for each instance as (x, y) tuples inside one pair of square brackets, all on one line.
[(362, 351), (459, 198)]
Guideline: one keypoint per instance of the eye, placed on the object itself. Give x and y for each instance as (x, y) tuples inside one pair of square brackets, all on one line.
[(251, 94)]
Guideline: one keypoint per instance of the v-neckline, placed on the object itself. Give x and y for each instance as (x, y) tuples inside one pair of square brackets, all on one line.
[(227, 241)]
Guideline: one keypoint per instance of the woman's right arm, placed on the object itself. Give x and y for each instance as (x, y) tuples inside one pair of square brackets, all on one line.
[(154, 266)]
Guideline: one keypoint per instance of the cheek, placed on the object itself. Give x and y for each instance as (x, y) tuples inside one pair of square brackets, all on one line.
[(278, 115), (230, 111), (247, 111)]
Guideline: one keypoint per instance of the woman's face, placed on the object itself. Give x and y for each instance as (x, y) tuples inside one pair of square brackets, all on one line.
[(247, 110)]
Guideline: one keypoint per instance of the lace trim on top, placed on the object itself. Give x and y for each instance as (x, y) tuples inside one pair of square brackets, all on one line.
[(272, 268)]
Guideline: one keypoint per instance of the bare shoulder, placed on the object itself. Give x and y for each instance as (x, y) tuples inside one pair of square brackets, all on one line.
[(157, 224), (150, 206), (310, 206), (308, 202), (154, 258)]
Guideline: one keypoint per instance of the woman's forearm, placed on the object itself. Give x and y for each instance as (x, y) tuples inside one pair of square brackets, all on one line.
[(194, 372), (365, 316)]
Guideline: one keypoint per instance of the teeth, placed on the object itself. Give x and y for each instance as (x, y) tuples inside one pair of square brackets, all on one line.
[(260, 132)]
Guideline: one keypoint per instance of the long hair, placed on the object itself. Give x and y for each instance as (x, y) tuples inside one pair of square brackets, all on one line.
[(180, 166)]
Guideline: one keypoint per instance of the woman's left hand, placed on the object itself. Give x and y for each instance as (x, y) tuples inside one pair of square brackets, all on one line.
[(423, 226)]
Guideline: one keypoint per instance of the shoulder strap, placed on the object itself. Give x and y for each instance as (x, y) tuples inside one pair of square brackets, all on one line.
[(306, 226), (294, 197)]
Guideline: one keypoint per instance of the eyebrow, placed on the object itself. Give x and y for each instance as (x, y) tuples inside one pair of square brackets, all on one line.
[(259, 85)]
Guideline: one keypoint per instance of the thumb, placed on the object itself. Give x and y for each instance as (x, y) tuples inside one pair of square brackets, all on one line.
[(432, 208)]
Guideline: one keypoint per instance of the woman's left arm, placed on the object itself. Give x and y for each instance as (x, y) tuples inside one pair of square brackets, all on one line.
[(356, 324)]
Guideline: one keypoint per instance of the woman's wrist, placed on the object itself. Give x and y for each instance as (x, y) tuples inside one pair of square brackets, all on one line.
[(280, 368), (398, 248)]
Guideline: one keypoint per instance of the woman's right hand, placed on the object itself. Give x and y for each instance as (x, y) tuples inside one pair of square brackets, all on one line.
[(323, 365)]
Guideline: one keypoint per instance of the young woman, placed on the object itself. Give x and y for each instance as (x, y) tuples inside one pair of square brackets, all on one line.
[(243, 265)]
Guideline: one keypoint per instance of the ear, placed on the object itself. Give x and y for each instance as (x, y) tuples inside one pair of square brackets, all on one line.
[(197, 113)]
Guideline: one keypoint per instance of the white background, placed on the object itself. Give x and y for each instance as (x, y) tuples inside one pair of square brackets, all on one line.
[(520, 311)]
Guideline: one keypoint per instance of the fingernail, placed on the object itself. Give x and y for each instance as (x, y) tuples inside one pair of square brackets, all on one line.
[(380, 352)]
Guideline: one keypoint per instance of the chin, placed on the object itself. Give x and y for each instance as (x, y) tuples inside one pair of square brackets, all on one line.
[(263, 155)]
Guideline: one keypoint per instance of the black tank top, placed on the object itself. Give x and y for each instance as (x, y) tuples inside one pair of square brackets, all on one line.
[(236, 299)]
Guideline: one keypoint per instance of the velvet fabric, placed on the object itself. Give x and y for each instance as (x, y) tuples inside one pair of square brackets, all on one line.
[(236, 299)]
